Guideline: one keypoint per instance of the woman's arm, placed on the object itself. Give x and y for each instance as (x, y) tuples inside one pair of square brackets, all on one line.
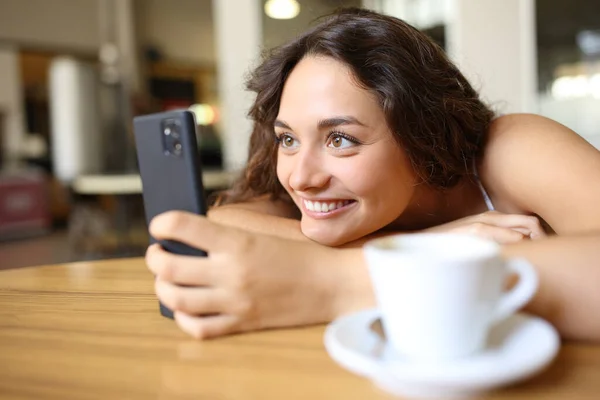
[(271, 217), (251, 281), (261, 281), (569, 274), (569, 282)]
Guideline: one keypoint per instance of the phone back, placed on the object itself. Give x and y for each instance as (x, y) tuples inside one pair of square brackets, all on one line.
[(169, 163), (170, 170)]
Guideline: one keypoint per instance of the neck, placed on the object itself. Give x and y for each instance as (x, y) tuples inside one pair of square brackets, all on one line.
[(432, 207)]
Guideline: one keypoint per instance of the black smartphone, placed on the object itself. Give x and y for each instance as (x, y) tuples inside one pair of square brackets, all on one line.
[(170, 169)]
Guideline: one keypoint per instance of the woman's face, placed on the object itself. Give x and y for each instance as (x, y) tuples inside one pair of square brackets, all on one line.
[(337, 158)]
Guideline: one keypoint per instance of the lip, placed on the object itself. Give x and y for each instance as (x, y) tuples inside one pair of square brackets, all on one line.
[(328, 214)]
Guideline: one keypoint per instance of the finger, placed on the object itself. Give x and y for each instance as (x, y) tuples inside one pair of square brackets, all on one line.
[(538, 231), (495, 233), (206, 327), (525, 231), (191, 300), (181, 270), (191, 229), (529, 225)]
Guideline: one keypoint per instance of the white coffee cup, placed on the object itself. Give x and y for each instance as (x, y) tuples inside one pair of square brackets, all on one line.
[(440, 293)]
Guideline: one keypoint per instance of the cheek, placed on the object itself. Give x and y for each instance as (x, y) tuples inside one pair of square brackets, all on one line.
[(386, 181), (369, 178), (283, 171), (359, 181)]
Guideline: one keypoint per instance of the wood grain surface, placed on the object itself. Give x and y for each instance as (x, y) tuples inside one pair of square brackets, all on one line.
[(92, 331)]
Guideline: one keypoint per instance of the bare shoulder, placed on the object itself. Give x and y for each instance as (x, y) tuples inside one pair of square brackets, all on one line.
[(519, 128), (536, 165)]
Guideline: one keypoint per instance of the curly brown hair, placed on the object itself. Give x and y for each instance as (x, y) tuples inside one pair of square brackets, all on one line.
[(433, 112)]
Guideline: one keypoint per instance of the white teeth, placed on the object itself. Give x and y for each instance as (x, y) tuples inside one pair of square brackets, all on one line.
[(319, 206), (323, 207)]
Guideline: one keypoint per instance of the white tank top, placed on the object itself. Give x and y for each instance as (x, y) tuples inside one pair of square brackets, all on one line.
[(486, 197)]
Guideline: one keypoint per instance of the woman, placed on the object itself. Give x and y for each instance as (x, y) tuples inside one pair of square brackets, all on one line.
[(362, 127)]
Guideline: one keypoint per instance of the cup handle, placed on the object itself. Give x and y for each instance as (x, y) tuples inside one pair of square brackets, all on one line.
[(521, 293)]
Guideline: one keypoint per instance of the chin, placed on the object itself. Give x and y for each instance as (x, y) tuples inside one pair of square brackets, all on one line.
[(328, 238)]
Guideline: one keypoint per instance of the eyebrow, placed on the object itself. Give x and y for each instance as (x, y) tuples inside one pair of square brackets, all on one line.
[(325, 123)]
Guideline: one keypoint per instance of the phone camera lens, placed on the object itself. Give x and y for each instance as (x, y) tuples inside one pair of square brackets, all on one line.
[(172, 138), (171, 130), (177, 147)]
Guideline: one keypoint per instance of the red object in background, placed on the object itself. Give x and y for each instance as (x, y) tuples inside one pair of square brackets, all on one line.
[(24, 207), (174, 104)]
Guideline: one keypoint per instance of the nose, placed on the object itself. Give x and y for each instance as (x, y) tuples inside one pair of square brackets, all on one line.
[(308, 172)]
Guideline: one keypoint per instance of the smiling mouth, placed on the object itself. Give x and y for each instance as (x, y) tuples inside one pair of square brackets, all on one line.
[(326, 206)]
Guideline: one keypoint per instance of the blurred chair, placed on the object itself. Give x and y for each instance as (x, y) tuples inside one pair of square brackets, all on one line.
[(24, 210)]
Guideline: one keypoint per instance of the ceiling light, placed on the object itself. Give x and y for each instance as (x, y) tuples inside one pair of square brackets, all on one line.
[(205, 114), (282, 9)]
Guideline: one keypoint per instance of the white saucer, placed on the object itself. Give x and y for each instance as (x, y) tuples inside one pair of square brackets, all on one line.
[(517, 348)]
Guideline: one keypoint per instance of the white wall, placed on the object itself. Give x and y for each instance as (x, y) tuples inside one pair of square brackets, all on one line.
[(493, 43), (580, 114), (70, 24), (238, 37), (422, 14), (76, 139), (11, 102)]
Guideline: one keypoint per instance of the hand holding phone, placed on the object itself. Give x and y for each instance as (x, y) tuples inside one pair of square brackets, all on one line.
[(170, 169)]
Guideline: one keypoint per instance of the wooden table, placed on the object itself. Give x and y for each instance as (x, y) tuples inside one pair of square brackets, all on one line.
[(92, 331)]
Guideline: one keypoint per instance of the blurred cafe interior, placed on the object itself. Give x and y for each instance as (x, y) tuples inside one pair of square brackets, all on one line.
[(73, 74)]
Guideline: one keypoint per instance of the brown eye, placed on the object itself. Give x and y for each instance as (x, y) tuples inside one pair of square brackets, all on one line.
[(287, 141), (336, 142)]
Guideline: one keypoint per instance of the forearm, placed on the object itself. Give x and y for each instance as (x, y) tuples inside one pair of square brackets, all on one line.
[(569, 289), (346, 280), (568, 270), (257, 221)]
